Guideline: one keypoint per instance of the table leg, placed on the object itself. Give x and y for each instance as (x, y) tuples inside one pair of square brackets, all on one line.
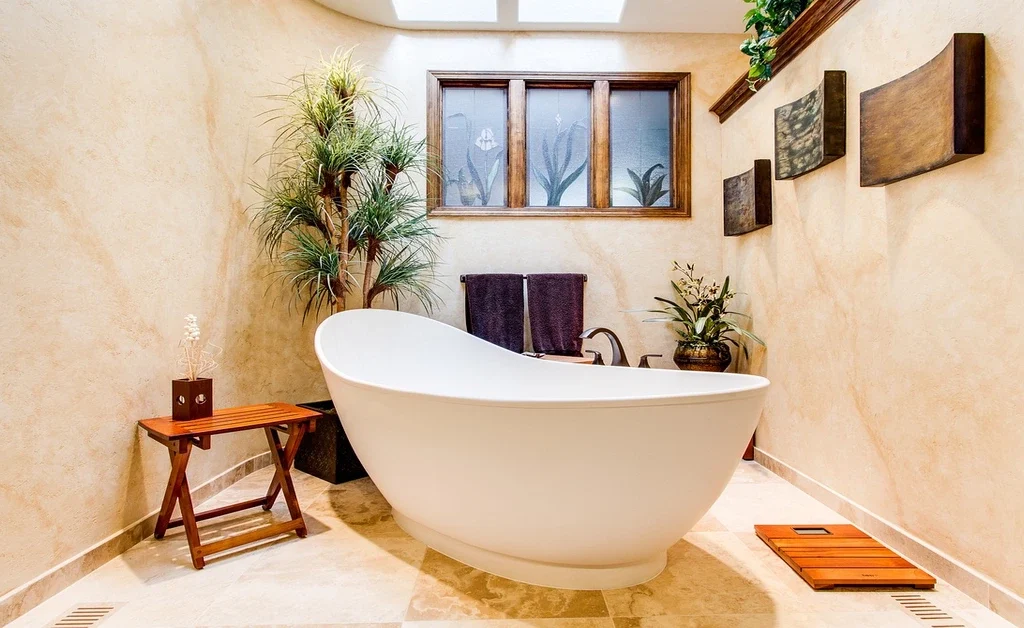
[(288, 453), (283, 458), (178, 492), (188, 519), (179, 452)]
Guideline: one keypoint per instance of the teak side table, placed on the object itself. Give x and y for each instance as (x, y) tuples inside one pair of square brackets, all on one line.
[(180, 436)]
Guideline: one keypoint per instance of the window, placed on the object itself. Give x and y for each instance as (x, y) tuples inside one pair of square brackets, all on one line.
[(641, 145), (558, 144), (475, 145), (558, 147)]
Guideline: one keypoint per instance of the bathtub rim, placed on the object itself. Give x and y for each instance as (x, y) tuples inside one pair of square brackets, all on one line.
[(758, 385)]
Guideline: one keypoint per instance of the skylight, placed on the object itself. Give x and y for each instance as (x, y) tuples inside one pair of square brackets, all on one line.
[(446, 10), (571, 11)]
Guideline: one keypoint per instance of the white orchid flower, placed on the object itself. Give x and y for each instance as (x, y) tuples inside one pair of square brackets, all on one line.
[(486, 140)]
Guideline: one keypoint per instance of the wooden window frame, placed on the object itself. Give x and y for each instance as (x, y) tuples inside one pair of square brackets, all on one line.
[(601, 85)]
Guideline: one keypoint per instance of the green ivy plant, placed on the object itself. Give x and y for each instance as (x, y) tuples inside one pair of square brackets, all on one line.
[(769, 19)]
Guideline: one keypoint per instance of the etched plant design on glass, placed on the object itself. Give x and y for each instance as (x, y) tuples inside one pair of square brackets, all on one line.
[(475, 181), (645, 190), (555, 179)]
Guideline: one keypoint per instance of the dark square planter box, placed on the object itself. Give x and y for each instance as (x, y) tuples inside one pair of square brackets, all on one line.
[(326, 452)]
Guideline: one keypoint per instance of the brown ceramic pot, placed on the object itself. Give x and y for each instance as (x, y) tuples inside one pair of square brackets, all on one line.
[(715, 358)]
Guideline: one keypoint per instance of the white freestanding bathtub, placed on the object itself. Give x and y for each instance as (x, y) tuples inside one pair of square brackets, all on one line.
[(555, 474)]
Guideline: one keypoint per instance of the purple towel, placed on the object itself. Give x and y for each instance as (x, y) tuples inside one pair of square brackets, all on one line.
[(556, 313), (494, 309)]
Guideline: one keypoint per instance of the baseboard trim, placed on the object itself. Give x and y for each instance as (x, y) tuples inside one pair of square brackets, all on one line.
[(19, 601), (978, 586)]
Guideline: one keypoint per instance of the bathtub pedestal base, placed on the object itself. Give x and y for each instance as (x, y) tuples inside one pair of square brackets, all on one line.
[(578, 577)]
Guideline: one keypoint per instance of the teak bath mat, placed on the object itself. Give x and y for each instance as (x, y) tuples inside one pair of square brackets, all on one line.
[(828, 556)]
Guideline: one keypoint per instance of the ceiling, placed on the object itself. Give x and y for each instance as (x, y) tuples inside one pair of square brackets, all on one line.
[(638, 16)]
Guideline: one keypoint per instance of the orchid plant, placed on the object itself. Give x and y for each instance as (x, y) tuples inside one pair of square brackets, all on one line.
[(700, 312), (195, 360)]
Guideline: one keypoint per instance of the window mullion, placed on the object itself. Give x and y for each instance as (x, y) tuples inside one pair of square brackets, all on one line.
[(600, 145), (517, 143)]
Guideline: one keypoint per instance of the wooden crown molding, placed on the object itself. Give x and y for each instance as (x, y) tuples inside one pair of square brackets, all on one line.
[(811, 24)]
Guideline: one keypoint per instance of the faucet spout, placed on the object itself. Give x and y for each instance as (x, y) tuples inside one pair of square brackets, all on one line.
[(618, 354)]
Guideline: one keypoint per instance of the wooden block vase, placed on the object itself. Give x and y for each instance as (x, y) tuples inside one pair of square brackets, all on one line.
[(191, 399)]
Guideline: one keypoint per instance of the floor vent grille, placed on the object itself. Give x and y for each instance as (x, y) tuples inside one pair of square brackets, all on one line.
[(921, 609), (84, 616)]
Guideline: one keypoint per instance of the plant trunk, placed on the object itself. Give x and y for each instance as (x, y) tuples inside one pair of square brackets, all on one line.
[(371, 256), (341, 240), (373, 247)]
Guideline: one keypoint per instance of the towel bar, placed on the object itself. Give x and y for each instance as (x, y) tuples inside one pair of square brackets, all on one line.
[(462, 278)]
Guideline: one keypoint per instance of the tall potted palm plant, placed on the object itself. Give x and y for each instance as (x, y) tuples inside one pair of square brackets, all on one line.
[(340, 213), (341, 217)]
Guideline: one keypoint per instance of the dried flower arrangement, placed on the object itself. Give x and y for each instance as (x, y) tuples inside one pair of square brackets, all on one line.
[(195, 359), (192, 394)]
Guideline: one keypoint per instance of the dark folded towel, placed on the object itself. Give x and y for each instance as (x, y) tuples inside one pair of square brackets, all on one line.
[(556, 313), (494, 309)]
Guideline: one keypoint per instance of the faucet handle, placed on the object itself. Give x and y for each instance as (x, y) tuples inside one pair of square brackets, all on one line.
[(644, 364), (597, 357)]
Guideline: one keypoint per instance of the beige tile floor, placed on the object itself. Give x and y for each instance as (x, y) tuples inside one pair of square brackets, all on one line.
[(357, 568)]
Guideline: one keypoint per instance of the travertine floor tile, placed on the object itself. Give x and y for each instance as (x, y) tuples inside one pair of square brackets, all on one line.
[(895, 619), (708, 573), (449, 590), (387, 625), (324, 578), (983, 618), (357, 507), (593, 622), (752, 473), (358, 569), (743, 505)]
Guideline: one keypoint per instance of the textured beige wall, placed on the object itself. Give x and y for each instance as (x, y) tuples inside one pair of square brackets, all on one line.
[(893, 315), (128, 135)]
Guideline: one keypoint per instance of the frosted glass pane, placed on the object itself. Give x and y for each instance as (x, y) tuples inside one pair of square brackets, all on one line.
[(475, 146), (641, 145), (558, 147)]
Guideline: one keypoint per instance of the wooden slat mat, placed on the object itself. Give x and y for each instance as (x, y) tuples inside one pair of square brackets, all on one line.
[(828, 556)]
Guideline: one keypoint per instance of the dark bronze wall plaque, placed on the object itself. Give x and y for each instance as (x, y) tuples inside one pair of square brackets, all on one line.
[(928, 119), (748, 199), (811, 132)]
